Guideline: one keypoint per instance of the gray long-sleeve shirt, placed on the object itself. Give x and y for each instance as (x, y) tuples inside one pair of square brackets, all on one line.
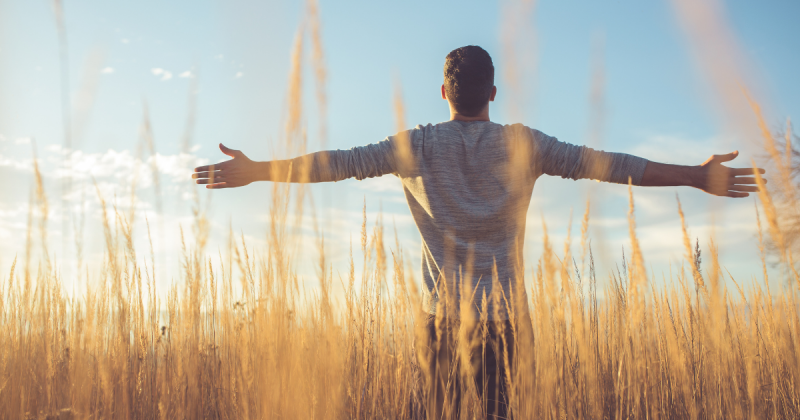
[(468, 186)]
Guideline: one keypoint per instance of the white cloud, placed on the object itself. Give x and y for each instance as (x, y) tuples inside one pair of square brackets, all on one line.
[(195, 148), (239, 74), (125, 40), (382, 184), (111, 173), (187, 74), (165, 74), (219, 56), (22, 140), (20, 165), (107, 70), (111, 166), (2, 137)]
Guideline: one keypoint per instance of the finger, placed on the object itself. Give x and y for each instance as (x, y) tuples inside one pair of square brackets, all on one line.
[(210, 181), (741, 180), (726, 158), (749, 188), (228, 151), (206, 174), (737, 194), (215, 174), (217, 186), (745, 171), (215, 167)]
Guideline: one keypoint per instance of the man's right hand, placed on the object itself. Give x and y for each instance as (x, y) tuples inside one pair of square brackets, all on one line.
[(714, 178), (237, 172), (710, 176)]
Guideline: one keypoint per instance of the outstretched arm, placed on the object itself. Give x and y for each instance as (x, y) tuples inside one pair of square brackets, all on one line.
[(241, 170), (710, 176), (580, 162), (326, 166)]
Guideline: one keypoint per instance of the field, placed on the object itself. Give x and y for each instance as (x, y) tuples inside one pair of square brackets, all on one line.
[(627, 345)]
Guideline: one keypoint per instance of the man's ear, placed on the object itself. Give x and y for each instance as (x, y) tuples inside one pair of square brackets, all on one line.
[(494, 93), (444, 95)]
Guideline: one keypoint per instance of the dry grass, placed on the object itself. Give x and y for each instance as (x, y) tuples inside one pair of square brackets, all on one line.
[(692, 349), (639, 347)]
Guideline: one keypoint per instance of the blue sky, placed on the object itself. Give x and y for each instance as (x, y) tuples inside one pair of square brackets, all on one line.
[(656, 102)]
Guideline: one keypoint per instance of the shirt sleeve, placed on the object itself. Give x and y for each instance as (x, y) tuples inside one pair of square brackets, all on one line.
[(361, 162), (557, 158)]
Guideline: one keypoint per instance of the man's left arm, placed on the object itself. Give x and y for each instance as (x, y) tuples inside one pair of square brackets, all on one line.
[(326, 166)]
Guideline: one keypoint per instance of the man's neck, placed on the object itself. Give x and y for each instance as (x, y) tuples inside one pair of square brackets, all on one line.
[(458, 117), (482, 116)]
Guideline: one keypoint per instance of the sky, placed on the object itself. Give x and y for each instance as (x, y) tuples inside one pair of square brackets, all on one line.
[(658, 79)]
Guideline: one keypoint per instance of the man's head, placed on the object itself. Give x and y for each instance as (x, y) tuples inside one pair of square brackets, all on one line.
[(469, 79)]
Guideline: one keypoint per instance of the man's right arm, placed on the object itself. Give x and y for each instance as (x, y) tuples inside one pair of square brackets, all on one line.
[(710, 176), (580, 162)]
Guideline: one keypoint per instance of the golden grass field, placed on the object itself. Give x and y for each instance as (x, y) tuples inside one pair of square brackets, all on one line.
[(619, 347)]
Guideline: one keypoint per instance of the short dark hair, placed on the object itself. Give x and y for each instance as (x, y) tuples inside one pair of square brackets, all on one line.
[(468, 79)]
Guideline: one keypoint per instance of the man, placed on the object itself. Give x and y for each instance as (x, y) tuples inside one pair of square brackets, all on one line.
[(468, 183)]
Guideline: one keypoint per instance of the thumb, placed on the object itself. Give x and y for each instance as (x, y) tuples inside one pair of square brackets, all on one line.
[(726, 158), (230, 152)]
